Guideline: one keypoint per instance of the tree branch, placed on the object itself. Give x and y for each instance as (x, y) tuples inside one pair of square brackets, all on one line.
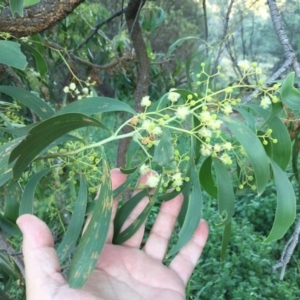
[(289, 53), (136, 36), (37, 18)]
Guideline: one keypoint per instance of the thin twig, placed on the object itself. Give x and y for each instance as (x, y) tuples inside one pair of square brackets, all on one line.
[(116, 14), (289, 53), (288, 251)]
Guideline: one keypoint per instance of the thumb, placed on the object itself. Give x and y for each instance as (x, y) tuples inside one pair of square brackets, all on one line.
[(42, 269)]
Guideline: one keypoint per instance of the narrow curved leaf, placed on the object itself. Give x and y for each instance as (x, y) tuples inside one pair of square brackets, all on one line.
[(74, 228), (250, 120), (39, 61), (290, 96), (193, 214), (40, 107), (10, 228), (125, 210), (126, 234), (225, 192), (164, 151), (206, 178), (11, 55), (178, 43), (91, 244), (281, 151), (94, 105), (249, 141), (26, 205), (16, 6), (12, 201), (225, 240), (43, 134), (286, 205)]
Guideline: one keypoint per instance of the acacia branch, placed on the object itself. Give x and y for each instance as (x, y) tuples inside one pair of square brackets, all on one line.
[(37, 18)]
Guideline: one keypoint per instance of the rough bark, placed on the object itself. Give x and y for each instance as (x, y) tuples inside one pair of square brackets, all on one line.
[(37, 18), (136, 36)]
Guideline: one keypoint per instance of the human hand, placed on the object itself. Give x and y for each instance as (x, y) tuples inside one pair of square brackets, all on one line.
[(123, 271)]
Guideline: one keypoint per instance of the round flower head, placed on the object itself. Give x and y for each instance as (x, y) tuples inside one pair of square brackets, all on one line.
[(152, 180), (72, 86), (146, 101), (182, 112), (206, 150), (205, 132), (144, 169), (177, 179), (227, 109), (173, 96), (151, 127), (244, 64), (265, 102), (66, 89)]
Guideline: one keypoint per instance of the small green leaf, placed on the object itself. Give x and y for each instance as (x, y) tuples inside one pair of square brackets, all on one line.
[(94, 105), (286, 205), (128, 171), (43, 134), (178, 43), (39, 61), (290, 96), (72, 234), (92, 242), (225, 192), (125, 210), (206, 178), (26, 205), (16, 6), (10, 228), (281, 151), (192, 216), (249, 141), (31, 2), (250, 120), (11, 55), (12, 201), (225, 239), (125, 235), (40, 107), (164, 151)]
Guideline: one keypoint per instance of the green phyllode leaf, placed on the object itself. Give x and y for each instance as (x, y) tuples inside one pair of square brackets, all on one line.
[(281, 151), (40, 107), (74, 228), (225, 192), (12, 201), (92, 242), (225, 240), (43, 134), (193, 214), (290, 96), (286, 204), (16, 6), (125, 235), (164, 151), (249, 141), (94, 105), (206, 179), (11, 55), (26, 205)]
